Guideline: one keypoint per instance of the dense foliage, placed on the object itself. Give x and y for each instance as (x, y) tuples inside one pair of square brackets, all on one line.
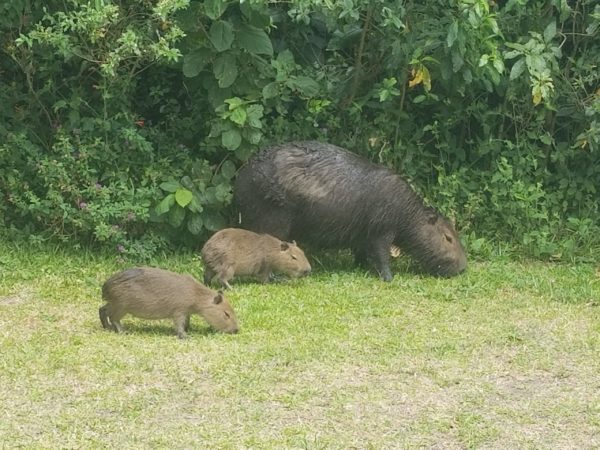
[(123, 122)]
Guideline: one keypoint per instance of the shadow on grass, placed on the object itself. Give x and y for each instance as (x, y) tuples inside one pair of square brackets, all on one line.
[(163, 328), (342, 261)]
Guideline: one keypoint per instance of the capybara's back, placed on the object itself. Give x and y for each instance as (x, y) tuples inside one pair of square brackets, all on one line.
[(236, 252), (151, 293)]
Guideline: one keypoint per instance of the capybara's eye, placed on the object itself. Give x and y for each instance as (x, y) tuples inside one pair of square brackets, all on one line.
[(293, 257), (227, 315), (449, 238)]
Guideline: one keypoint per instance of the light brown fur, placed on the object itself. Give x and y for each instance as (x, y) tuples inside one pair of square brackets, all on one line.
[(235, 252), (151, 293)]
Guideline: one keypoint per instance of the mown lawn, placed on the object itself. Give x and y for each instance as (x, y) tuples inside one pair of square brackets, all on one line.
[(505, 356)]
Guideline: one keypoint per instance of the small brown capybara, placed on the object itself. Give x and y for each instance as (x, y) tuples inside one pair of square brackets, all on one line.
[(151, 293), (235, 252)]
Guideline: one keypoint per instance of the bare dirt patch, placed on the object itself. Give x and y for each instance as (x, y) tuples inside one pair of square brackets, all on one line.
[(18, 298)]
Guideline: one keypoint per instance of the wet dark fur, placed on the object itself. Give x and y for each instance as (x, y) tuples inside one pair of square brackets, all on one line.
[(321, 194), (151, 293)]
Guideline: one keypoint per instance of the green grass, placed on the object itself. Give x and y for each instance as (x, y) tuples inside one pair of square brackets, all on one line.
[(506, 355)]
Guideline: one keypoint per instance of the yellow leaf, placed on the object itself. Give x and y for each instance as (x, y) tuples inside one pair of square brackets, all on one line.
[(417, 76), (537, 95)]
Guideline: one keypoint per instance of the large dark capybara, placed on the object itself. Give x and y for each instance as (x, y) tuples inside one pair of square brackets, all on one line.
[(321, 194), (235, 252), (151, 293)]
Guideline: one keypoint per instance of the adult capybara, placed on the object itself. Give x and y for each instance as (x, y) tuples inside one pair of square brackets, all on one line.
[(151, 293), (321, 194), (235, 252)]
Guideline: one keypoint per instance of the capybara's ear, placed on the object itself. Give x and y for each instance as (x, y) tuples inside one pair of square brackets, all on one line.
[(294, 242), (218, 298), (284, 246), (432, 219)]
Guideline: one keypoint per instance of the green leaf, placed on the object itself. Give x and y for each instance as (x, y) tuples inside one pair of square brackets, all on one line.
[(286, 58), (176, 216), (516, 46), (304, 85), (419, 98), (165, 205), (231, 139), (170, 186), (546, 139), (517, 69), (494, 25), (228, 170), (255, 113), (550, 31), (209, 197), (187, 182), (215, 8), (457, 61), (225, 70), (565, 10), (512, 54), (195, 224), (535, 64), (59, 105), (494, 75), (252, 135), (238, 116), (452, 34), (271, 90), (467, 75), (222, 192), (221, 35), (183, 197), (213, 221), (244, 152), (194, 62), (483, 60), (258, 17), (498, 65), (195, 205), (234, 102), (218, 127), (254, 40)]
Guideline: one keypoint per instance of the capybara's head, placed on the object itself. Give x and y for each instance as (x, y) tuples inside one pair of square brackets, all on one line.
[(217, 311), (440, 251), (290, 260)]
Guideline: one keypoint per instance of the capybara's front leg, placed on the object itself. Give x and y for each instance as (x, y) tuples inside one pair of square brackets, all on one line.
[(380, 253)]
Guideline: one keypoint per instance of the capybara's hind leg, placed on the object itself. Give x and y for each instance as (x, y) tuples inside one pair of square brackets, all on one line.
[(187, 323), (115, 315), (265, 276), (117, 326), (209, 274), (104, 317), (225, 275), (180, 322)]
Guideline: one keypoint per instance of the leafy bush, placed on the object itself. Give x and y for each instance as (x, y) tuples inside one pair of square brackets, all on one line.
[(124, 123)]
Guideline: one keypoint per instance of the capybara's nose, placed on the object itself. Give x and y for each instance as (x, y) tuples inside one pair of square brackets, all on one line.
[(234, 331)]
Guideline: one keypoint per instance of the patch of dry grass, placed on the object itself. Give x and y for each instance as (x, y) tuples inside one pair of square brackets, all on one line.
[(505, 356)]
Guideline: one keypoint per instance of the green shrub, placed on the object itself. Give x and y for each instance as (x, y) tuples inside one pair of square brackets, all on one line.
[(123, 124)]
